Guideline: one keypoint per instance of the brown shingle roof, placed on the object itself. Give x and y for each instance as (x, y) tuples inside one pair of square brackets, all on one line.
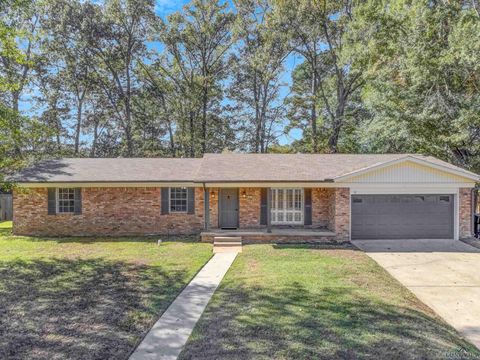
[(111, 170), (295, 167), (215, 168)]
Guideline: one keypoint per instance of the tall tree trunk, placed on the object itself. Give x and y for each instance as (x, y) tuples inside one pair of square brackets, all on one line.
[(129, 140), (93, 152), (15, 101), (338, 120), (258, 123), (78, 127), (313, 110), (204, 119), (15, 106), (128, 97), (171, 138), (192, 135), (263, 116)]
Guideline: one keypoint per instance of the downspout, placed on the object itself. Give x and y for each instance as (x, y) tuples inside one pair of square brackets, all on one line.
[(474, 198)]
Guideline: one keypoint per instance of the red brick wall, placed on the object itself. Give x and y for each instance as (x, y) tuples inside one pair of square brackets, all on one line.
[(105, 211), (321, 204), (465, 212), (213, 207), (339, 213), (249, 211), (137, 211)]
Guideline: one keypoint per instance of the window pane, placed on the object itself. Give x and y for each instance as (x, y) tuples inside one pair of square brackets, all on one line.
[(289, 199), (178, 199), (66, 200), (280, 199), (287, 206), (298, 199)]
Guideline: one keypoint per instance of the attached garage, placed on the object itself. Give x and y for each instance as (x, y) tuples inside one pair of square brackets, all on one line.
[(410, 198), (403, 216)]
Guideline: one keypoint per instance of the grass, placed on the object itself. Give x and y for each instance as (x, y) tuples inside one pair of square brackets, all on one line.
[(87, 298), (302, 302)]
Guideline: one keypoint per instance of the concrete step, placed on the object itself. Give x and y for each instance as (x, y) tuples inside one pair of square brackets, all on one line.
[(228, 239), (222, 244), (226, 249), (227, 243)]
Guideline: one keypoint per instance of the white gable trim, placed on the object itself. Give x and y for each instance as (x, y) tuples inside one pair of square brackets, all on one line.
[(462, 173)]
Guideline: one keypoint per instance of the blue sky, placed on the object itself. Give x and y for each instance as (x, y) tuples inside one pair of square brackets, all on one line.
[(164, 8)]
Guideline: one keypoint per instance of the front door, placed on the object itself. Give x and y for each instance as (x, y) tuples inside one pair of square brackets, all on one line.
[(228, 214)]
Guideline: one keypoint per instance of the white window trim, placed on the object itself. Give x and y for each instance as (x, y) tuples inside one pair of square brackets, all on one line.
[(285, 211), (57, 201), (170, 211)]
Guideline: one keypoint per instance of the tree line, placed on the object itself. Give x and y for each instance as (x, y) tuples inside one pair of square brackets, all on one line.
[(114, 78)]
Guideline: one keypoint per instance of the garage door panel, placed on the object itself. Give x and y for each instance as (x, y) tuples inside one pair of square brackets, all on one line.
[(402, 216)]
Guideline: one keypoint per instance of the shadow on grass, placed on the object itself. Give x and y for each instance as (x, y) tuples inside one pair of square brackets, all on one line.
[(336, 323), (316, 246), (106, 239), (80, 309), (5, 232)]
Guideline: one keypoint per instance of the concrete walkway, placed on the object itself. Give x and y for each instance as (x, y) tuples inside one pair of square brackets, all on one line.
[(170, 333), (443, 274)]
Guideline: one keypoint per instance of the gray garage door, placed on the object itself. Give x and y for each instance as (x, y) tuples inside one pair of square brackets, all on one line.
[(402, 216)]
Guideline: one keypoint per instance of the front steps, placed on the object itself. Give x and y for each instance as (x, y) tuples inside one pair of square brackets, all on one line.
[(222, 244), (277, 236)]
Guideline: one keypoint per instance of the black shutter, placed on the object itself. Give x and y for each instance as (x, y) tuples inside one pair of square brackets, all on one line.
[(52, 201), (78, 201), (263, 206), (165, 201), (190, 200), (308, 206)]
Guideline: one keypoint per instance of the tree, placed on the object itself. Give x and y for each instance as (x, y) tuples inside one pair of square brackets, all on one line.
[(315, 30), (21, 138), (196, 45), (256, 75), (116, 40), (67, 49), (423, 76), (20, 32)]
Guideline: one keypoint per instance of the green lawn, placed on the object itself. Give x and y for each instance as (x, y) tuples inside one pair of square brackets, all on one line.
[(77, 298), (301, 302)]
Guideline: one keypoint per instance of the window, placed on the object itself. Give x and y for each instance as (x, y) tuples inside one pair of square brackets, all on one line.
[(178, 199), (287, 206), (65, 200)]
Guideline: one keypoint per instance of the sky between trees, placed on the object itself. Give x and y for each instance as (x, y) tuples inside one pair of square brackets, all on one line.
[(144, 78)]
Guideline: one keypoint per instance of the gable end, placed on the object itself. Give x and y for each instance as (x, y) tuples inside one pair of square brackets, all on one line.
[(407, 172)]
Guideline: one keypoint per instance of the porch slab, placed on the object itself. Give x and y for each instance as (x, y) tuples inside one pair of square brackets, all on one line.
[(277, 235)]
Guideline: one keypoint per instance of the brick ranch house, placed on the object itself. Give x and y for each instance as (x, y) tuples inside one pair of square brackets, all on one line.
[(291, 197)]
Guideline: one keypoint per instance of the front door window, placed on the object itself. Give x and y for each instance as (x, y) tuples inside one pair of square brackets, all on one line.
[(287, 206)]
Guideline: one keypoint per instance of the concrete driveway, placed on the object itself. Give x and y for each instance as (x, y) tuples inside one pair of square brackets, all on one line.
[(444, 274)]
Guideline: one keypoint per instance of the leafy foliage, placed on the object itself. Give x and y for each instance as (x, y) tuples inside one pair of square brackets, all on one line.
[(113, 78), (422, 77)]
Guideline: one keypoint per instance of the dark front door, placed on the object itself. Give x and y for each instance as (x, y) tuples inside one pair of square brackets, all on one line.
[(228, 216)]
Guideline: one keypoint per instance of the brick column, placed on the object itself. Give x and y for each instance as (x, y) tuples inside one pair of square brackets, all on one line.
[(465, 212), (206, 196), (341, 214)]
